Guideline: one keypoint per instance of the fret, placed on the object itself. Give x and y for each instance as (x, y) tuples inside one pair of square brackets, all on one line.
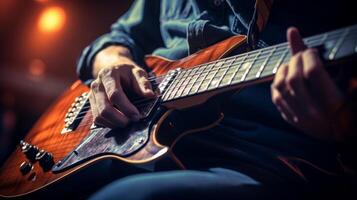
[(280, 61), (243, 68), (237, 69), (265, 63), (315, 41), (192, 81), (348, 46), (226, 71), (201, 79), (169, 90), (228, 77), (250, 66), (337, 45), (179, 80), (209, 78), (187, 78), (220, 73), (197, 79)]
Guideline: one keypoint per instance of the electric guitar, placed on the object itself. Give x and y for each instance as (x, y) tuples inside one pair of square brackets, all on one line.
[(64, 140)]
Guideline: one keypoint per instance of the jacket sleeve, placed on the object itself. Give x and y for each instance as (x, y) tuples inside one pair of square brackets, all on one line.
[(138, 29)]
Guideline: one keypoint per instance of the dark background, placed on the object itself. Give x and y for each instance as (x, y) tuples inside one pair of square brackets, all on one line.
[(25, 94)]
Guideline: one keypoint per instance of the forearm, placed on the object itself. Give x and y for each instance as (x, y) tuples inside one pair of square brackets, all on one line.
[(110, 56)]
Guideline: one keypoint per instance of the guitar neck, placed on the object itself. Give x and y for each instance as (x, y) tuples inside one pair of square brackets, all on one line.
[(256, 66)]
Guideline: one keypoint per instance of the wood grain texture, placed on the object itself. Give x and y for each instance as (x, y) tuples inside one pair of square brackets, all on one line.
[(46, 133)]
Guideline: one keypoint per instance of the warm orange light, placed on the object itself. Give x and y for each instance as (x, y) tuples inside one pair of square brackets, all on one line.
[(37, 67), (52, 19)]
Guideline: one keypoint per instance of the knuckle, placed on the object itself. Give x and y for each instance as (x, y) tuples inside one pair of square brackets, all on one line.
[(113, 96), (277, 99), (311, 72), (292, 80), (309, 51), (295, 60), (104, 72), (279, 85)]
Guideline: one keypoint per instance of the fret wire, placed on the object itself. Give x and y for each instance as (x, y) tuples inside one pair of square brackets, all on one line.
[(195, 81), (337, 45), (225, 72), (178, 84), (213, 75), (204, 77), (235, 71), (280, 61), (184, 83), (251, 65), (169, 90), (191, 82), (265, 62)]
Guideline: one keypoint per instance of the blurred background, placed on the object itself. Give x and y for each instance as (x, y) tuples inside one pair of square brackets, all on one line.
[(40, 42)]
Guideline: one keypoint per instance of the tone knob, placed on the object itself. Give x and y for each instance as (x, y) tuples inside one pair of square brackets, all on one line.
[(25, 167), (45, 159), (29, 150)]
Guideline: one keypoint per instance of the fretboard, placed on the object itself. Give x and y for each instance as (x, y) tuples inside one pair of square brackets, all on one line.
[(255, 65)]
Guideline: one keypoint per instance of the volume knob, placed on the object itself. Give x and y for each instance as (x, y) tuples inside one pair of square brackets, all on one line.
[(29, 150), (25, 167), (45, 159)]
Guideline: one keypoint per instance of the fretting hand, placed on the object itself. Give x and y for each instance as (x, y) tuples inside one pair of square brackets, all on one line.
[(303, 91)]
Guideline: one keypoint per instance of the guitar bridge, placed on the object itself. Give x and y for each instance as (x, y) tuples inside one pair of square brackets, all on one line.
[(75, 113)]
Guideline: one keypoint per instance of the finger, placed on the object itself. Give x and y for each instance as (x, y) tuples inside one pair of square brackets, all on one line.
[(141, 84), (116, 96), (107, 114), (95, 116), (286, 112), (295, 40), (319, 80), (298, 97), (279, 79)]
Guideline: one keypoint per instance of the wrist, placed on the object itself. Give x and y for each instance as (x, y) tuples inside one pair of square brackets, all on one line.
[(110, 56)]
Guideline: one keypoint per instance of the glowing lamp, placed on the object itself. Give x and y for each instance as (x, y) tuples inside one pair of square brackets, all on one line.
[(52, 19)]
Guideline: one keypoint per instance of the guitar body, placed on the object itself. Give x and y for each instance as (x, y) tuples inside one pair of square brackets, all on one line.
[(138, 144)]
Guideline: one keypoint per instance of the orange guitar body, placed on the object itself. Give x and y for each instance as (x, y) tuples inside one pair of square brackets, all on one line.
[(46, 134)]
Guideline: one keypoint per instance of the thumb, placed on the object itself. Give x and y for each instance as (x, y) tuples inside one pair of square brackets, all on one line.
[(142, 86), (295, 40)]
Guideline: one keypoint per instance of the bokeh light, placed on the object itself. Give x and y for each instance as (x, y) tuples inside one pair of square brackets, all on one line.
[(52, 19), (37, 67)]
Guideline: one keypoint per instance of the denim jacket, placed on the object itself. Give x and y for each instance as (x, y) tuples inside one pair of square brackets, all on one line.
[(172, 29)]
